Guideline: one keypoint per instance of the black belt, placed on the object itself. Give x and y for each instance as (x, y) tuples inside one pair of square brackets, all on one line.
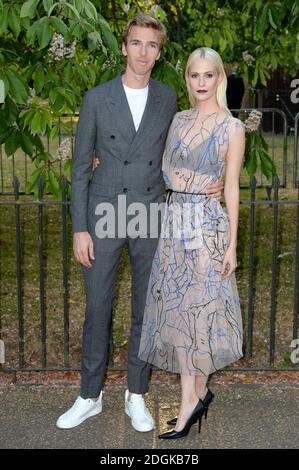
[(170, 191)]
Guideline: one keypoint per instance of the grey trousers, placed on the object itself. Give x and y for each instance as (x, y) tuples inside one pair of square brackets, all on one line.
[(99, 286)]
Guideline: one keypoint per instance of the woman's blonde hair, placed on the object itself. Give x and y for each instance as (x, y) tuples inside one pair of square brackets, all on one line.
[(214, 57)]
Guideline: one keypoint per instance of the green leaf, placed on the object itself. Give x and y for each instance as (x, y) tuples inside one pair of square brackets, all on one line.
[(26, 144), (13, 143), (46, 120), (47, 5), (267, 166), (78, 5), (32, 32), (29, 8), (39, 78), (3, 21), (44, 34), (26, 116), (262, 77), (262, 23), (222, 44), (13, 22), (58, 103), (4, 136), (54, 184), (17, 87), (264, 143), (54, 132), (271, 20), (95, 39), (35, 124), (67, 168), (250, 162), (73, 9), (90, 10), (60, 26), (109, 38), (8, 114), (68, 72), (36, 140), (33, 180), (52, 8)]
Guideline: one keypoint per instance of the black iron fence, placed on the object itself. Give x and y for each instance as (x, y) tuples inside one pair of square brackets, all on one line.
[(257, 317)]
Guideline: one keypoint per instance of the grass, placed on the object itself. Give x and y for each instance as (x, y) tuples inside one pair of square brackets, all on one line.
[(122, 303)]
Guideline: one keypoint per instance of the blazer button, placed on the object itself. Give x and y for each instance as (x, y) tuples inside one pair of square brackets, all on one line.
[(150, 163), (148, 189), (126, 162), (125, 190), (112, 137)]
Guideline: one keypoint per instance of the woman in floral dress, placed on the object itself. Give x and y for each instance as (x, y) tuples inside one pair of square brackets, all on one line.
[(192, 322)]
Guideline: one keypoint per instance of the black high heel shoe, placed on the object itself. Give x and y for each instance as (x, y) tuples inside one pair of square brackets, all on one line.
[(196, 415), (206, 400)]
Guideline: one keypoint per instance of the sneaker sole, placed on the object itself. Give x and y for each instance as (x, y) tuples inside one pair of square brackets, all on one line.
[(89, 415)]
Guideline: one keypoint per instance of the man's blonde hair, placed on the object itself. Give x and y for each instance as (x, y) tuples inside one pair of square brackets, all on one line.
[(145, 21)]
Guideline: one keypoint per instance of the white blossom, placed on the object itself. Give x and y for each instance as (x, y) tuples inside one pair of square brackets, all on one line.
[(178, 67), (219, 13), (126, 7), (110, 63), (154, 10), (56, 49), (253, 121), (70, 51), (248, 58), (31, 95), (64, 149)]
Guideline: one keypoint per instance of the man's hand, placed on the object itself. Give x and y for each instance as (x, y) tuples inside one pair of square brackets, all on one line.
[(83, 248), (215, 190)]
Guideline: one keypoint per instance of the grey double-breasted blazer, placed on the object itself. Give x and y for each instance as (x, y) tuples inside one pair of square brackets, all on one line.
[(130, 161)]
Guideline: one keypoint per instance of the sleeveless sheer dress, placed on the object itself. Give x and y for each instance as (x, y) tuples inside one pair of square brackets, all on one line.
[(192, 321)]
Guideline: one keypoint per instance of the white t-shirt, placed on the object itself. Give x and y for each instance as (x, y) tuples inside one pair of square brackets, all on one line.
[(137, 100)]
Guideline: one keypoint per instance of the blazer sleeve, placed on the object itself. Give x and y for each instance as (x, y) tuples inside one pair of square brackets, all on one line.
[(82, 163)]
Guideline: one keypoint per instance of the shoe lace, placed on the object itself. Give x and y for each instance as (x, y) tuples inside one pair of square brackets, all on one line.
[(77, 404)]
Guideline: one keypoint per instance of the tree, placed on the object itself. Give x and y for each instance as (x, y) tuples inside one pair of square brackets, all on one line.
[(52, 52)]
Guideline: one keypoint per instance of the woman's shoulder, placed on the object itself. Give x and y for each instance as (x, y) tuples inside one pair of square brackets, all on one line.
[(235, 124), (185, 114)]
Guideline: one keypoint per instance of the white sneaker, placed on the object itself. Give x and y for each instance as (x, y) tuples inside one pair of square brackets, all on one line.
[(79, 412), (136, 409)]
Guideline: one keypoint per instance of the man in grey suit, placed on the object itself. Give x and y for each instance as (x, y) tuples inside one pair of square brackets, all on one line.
[(125, 122)]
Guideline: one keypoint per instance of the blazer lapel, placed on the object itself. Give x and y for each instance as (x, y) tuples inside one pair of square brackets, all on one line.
[(119, 107), (149, 118)]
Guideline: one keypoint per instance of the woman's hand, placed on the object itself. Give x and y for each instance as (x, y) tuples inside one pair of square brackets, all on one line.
[(229, 262)]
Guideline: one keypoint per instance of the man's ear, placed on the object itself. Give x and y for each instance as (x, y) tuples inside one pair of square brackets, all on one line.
[(158, 56), (124, 49)]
